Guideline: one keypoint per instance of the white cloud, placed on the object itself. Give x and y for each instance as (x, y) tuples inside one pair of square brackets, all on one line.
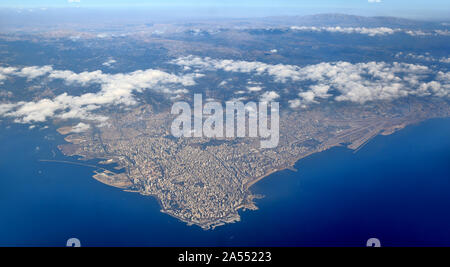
[(425, 57), (280, 72), (80, 128), (27, 72), (4, 108), (445, 60), (422, 57), (295, 103), (374, 1), (269, 96), (109, 63), (442, 32), (5, 72), (417, 33), (376, 31), (427, 33), (254, 88), (34, 72), (341, 81), (348, 30), (116, 89), (316, 91), (328, 81)]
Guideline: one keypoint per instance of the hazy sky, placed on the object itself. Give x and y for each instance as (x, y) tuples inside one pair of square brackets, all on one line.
[(437, 4), (405, 8)]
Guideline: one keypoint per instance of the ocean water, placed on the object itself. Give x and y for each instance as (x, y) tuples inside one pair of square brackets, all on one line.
[(396, 189)]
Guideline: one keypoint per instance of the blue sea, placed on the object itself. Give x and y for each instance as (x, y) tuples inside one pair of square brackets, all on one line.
[(396, 189)]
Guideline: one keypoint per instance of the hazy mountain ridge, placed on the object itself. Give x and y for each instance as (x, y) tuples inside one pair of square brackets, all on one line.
[(90, 20), (344, 20)]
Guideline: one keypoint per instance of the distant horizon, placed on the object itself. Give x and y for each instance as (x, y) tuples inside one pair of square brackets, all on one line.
[(176, 14), (431, 10)]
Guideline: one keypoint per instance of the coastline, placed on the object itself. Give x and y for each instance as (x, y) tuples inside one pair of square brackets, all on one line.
[(384, 132), (290, 167), (150, 226), (248, 202)]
